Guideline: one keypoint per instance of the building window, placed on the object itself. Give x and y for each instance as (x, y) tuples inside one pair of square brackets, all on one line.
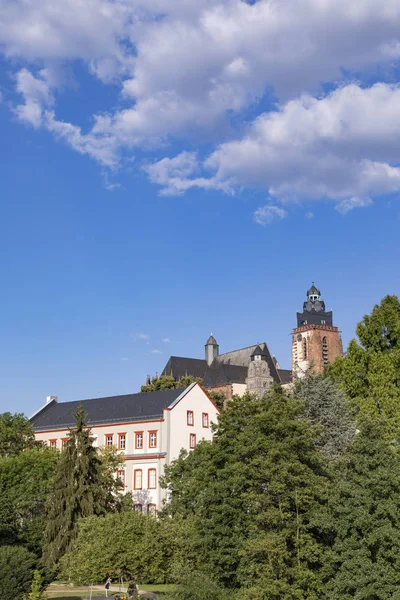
[(152, 476), (151, 509), (138, 507), (323, 322), (192, 441), (122, 441), (190, 417), (137, 479), (53, 443), (304, 349), (205, 420), (63, 442), (325, 354), (121, 476), (109, 439), (152, 439), (139, 440)]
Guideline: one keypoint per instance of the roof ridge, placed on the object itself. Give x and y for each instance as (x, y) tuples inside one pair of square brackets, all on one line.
[(116, 396), (239, 349)]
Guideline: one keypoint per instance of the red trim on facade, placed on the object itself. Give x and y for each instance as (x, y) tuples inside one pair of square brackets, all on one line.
[(136, 440), (151, 509), (141, 479), (192, 436), (124, 424), (190, 412), (119, 440), (207, 420), (106, 435), (149, 440), (151, 457), (153, 487), (214, 405)]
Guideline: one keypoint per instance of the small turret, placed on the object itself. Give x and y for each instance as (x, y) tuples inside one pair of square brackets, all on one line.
[(212, 350)]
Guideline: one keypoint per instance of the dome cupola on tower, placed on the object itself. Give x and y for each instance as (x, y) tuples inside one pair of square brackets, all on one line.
[(313, 293)]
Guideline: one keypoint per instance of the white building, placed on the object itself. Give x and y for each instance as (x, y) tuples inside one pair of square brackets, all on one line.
[(149, 429)]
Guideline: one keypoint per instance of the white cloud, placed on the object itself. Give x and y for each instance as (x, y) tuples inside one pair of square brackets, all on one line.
[(190, 69), (156, 352), (309, 215), (37, 95), (124, 358), (265, 215), (349, 204), (339, 147), (166, 340)]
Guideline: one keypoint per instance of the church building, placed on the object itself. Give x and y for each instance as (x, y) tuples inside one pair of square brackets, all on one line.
[(316, 343)]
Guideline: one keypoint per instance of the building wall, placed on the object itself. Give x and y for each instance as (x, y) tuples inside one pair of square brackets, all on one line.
[(173, 434), (307, 348)]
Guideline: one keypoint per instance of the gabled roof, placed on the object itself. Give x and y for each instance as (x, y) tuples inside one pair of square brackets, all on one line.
[(179, 366), (112, 409), (285, 375), (220, 374)]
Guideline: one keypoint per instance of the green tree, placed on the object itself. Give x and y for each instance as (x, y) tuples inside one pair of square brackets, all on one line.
[(167, 382), (16, 570), (16, 434), (361, 522), (250, 494), (197, 585), (218, 398), (25, 481), (370, 371), (326, 405), (137, 546), (36, 592), (79, 490)]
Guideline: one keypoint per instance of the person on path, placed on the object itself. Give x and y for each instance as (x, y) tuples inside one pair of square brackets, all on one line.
[(107, 586)]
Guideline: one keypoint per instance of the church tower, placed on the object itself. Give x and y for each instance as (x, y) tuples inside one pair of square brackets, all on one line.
[(316, 342), (258, 374)]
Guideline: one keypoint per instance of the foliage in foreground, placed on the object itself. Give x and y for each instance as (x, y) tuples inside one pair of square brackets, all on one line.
[(81, 488), (36, 592), (249, 496), (16, 571), (137, 546), (361, 522), (370, 371), (25, 481), (167, 382), (16, 434)]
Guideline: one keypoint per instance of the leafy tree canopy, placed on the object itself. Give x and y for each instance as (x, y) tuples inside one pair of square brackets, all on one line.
[(250, 494), (36, 592), (16, 571), (16, 434), (370, 371), (361, 522), (136, 546), (25, 481), (167, 382)]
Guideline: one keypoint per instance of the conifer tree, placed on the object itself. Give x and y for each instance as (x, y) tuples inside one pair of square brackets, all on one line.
[(326, 405), (78, 490)]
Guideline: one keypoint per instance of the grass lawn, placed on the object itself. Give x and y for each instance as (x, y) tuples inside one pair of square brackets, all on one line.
[(158, 588)]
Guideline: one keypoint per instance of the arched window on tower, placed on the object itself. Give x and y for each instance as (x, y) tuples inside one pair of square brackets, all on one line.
[(325, 357), (304, 349)]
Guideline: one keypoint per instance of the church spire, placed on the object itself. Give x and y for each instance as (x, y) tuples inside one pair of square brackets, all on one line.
[(212, 349)]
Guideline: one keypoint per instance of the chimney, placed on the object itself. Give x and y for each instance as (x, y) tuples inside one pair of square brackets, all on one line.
[(51, 398)]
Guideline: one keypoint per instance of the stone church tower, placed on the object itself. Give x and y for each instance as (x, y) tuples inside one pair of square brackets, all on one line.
[(259, 377), (316, 342)]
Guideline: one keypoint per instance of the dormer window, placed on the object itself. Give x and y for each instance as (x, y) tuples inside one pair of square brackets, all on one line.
[(257, 357)]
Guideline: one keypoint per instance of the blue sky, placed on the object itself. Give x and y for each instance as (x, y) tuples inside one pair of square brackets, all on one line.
[(165, 175)]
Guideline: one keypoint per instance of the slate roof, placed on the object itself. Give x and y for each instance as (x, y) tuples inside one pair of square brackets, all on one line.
[(230, 367), (113, 409), (285, 375), (218, 374), (179, 366)]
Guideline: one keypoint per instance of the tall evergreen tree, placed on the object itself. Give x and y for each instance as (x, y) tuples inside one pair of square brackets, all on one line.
[(78, 490), (326, 405), (361, 523)]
